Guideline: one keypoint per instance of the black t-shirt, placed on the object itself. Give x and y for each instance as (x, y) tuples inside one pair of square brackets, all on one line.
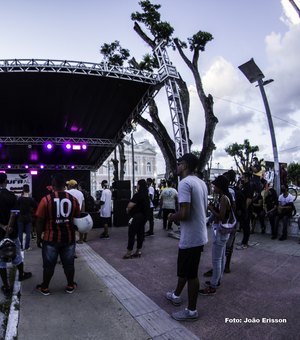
[(142, 204), (8, 203), (26, 206)]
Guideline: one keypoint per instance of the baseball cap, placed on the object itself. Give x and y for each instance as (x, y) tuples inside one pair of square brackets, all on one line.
[(72, 182), (190, 159)]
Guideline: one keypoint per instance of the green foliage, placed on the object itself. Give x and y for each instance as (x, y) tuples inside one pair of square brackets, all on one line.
[(150, 17), (114, 54), (148, 63), (293, 171), (242, 154), (199, 40)]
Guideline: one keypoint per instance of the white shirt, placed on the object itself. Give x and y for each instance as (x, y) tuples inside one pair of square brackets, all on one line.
[(169, 197), (151, 196), (193, 190), (77, 194), (105, 210), (284, 200)]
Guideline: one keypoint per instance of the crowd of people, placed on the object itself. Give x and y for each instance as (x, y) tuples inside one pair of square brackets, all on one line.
[(235, 205)]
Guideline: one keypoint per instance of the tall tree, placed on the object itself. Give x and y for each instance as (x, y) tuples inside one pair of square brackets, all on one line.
[(156, 30), (242, 154), (293, 173), (160, 30)]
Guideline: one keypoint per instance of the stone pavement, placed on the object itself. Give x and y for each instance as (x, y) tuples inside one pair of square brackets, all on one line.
[(124, 299)]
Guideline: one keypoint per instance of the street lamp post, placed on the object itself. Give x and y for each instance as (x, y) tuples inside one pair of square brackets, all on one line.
[(253, 73)]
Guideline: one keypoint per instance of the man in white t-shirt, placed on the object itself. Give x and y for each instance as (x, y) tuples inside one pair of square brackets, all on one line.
[(285, 209), (105, 210), (72, 189), (168, 202), (192, 198), (151, 192)]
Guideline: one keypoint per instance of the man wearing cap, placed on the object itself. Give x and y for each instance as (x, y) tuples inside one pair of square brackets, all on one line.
[(192, 199), (105, 210), (72, 189), (8, 223)]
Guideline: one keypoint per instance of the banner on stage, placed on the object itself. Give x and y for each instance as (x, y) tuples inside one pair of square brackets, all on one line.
[(16, 182)]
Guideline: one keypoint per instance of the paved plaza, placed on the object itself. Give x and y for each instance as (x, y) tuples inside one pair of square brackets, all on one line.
[(116, 298)]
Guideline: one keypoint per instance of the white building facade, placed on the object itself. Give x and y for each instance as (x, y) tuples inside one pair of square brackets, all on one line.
[(144, 155)]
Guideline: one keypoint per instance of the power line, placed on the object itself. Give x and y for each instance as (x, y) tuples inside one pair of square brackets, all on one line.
[(251, 108), (295, 147)]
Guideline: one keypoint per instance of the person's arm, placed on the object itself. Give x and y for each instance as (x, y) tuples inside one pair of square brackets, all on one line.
[(40, 224), (182, 214), (130, 206), (12, 219)]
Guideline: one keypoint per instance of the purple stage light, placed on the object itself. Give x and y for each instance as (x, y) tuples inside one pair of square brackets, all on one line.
[(76, 147), (33, 172), (42, 166), (68, 146), (49, 146), (26, 166), (72, 166), (83, 146), (2, 171), (8, 166)]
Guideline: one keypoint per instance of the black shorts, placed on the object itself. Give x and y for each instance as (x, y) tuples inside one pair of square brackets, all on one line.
[(105, 220), (188, 262)]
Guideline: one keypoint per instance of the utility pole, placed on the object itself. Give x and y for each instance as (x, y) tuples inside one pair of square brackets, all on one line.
[(253, 73), (295, 7)]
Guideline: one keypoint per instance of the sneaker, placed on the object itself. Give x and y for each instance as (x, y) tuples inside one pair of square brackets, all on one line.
[(79, 242), (241, 247), (25, 276), (149, 233), (70, 289), (176, 300), (28, 249), (104, 236), (208, 291), (207, 284), (43, 291), (282, 238), (208, 273), (185, 315)]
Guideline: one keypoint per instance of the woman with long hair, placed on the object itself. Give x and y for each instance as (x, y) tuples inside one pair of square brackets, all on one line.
[(138, 208), (224, 223)]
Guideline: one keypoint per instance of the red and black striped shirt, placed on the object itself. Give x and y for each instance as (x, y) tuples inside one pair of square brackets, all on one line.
[(58, 210)]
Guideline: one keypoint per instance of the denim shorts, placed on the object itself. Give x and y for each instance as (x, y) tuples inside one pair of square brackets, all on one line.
[(51, 251), (18, 259)]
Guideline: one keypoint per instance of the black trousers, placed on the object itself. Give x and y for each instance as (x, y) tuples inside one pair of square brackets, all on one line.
[(166, 212), (137, 228)]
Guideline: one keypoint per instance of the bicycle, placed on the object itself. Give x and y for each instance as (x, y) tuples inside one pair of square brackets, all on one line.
[(293, 192)]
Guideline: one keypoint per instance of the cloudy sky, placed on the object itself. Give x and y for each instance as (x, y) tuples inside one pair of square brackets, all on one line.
[(268, 31)]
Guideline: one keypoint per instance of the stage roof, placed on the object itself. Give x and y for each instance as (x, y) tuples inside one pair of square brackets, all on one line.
[(66, 101)]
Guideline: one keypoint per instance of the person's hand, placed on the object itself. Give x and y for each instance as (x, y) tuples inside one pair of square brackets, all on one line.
[(39, 242)]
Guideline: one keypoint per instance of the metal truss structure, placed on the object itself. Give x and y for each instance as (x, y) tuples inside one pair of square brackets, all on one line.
[(56, 140), (78, 67), (29, 167), (168, 74)]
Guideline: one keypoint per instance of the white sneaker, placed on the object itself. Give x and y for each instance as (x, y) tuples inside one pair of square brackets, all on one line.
[(176, 300)]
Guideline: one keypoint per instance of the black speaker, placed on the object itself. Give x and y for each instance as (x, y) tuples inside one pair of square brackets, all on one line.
[(120, 217), (121, 185), (121, 194)]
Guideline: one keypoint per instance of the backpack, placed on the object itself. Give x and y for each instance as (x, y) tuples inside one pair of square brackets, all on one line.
[(155, 200)]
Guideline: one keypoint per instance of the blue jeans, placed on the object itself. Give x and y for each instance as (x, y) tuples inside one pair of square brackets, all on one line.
[(218, 256), (50, 254), (24, 228)]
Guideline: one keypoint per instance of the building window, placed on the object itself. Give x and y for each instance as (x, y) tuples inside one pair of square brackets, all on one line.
[(149, 169), (136, 167)]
